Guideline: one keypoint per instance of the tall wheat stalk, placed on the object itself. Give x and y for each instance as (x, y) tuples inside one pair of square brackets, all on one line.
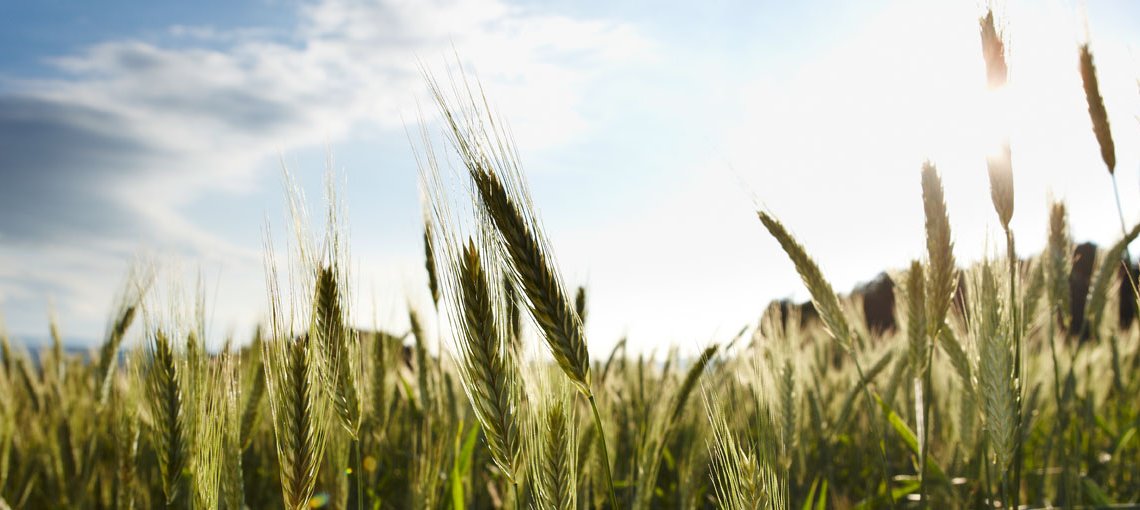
[(827, 304), (500, 191), (940, 287), (296, 398)]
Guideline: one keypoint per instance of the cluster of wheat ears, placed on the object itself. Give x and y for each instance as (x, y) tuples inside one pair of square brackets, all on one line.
[(981, 398)]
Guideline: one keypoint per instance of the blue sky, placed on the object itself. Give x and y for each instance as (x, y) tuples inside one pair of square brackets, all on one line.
[(650, 133)]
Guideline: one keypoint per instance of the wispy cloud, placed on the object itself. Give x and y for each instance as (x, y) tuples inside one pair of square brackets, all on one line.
[(113, 153)]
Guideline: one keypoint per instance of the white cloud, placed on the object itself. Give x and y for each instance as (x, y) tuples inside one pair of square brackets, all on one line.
[(193, 121)]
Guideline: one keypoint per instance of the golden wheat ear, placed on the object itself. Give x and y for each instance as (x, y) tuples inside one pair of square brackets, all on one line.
[(993, 51), (1097, 112)]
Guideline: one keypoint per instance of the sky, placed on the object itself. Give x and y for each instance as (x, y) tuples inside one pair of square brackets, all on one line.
[(154, 134)]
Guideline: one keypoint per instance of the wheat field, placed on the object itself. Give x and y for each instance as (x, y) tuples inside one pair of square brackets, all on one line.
[(983, 396)]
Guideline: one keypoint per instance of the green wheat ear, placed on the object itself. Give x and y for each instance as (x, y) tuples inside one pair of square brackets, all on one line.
[(822, 295), (941, 280), (548, 302), (1059, 262), (339, 344), (170, 421), (552, 446), (490, 371)]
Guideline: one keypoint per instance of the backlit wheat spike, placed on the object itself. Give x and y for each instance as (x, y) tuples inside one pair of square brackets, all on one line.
[(168, 410), (1000, 165), (109, 352), (690, 383), (491, 162), (940, 283), (337, 342), (514, 312), (294, 394), (126, 431), (429, 261), (1034, 290), (5, 348), (993, 51), (995, 371), (1105, 274), (490, 373), (502, 201), (546, 297), (787, 390), (296, 399), (1060, 249), (251, 415), (211, 421), (1000, 168), (1097, 112), (580, 303), (231, 486), (553, 454), (822, 295), (743, 472), (422, 379)]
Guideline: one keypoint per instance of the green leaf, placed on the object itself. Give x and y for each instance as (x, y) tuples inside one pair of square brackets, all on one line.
[(908, 437), (809, 502), (900, 490), (1124, 440), (461, 467), (1095, 493)]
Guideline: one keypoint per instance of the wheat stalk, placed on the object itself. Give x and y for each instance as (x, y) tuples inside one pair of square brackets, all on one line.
[(295, 394), (827, 304), (916, 331), (500, 191)]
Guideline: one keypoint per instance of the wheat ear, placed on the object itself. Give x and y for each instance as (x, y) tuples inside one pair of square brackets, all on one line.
[(490, 372), (1097, 111), (168, 410), (822, 294), (339, 345), (1098, 291), (940, 284)]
